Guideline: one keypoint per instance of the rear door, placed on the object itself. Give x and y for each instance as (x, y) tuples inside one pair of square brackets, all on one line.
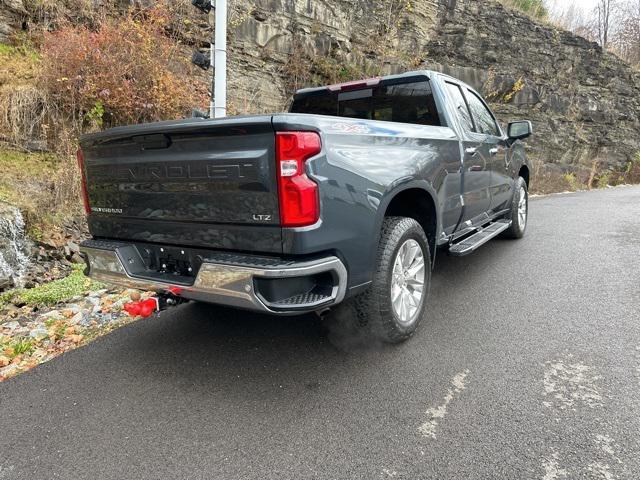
[(209, 184), (494, 149), (476, 175)]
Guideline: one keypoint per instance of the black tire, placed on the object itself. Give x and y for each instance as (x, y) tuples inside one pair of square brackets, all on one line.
[(374, 307), (518, 228)]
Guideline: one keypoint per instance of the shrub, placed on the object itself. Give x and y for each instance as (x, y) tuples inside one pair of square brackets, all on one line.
[(535, 8), (632, 172), (572, 182), (127, 71)]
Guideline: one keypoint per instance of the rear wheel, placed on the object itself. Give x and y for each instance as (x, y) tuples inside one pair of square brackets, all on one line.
[(396, 301), (519, 214)]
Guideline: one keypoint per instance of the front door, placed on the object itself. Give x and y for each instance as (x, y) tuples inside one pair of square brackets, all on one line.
[(476, 176), (495, 150)]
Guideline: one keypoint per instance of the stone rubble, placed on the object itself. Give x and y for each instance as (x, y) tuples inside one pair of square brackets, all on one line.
[(30, 336), (51, 261)]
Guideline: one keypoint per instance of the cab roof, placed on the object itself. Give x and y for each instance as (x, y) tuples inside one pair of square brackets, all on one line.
[(368, 82)]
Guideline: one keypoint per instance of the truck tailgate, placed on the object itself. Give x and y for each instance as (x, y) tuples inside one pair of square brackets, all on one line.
[(203, 183)]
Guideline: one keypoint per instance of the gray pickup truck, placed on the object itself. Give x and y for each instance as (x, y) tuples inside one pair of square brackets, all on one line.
[(345, 198)]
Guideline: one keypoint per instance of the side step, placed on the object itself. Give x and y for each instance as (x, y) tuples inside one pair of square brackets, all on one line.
[(475, 241)]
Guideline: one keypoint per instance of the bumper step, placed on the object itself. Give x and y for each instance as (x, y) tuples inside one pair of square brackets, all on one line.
[(475, 241), (310, 298)]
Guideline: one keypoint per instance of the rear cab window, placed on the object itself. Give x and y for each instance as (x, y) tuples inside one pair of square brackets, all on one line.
[(409, 102)]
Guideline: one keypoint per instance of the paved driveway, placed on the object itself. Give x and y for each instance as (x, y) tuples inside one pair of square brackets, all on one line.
[(528, 366)]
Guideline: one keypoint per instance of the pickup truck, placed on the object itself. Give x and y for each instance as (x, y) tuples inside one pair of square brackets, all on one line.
[(345, 198)]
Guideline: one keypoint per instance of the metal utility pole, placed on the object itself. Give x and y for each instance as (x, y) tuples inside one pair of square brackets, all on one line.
[(217, 11), (212, 62), (219, 48)]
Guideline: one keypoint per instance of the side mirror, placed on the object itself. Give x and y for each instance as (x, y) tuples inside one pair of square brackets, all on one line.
[(520, 130)]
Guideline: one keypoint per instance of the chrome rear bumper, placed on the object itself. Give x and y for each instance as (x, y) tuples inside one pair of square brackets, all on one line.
[(222, 279)]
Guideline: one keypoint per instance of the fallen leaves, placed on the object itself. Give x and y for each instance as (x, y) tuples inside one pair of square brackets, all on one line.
[(30, 337)]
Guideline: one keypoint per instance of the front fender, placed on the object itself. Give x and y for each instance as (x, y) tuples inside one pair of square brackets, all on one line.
[(518, 158)]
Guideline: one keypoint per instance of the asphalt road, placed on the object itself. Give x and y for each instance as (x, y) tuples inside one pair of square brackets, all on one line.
[(528, 366)]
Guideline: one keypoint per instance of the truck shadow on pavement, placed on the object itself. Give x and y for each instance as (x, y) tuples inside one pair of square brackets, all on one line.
[(204, 337)]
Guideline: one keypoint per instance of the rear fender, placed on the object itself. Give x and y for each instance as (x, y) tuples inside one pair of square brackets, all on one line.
[(384, 205)]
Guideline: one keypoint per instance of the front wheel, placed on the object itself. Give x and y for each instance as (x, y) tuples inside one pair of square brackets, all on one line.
[(519, 214)]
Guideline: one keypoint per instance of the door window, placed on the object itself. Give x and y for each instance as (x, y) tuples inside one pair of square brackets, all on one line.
[(484, 120), (461, 106)]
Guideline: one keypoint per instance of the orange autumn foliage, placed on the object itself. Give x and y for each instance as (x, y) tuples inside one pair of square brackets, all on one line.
[(127, 70)]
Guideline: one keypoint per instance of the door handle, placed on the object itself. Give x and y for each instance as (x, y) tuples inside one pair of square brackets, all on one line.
[(471, 151), (494, 151)]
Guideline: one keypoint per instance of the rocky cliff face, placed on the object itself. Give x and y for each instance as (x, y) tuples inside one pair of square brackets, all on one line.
[(277, 46), (12, 14), (585, 104)]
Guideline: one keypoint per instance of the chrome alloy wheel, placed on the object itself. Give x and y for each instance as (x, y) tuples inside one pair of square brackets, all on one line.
[(407, 284), (522, 209)]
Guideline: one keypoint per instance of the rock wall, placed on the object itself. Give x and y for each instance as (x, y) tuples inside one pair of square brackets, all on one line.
[(585, 104), (12, 14), (277, 46)]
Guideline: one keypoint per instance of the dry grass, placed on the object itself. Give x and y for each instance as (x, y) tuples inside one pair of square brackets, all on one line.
[(34, 109), (44, 186), (23, 114), (19, 64), (23, 104), (549, 178)]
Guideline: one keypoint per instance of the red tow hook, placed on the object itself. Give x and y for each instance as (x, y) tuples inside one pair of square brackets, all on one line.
[(143, 308), (146, 308)]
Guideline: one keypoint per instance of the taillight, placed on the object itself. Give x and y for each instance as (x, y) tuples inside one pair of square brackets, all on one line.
[(299, 202), (83, 176)]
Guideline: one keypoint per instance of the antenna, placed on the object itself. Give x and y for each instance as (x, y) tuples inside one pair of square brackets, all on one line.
[(217, 54)]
